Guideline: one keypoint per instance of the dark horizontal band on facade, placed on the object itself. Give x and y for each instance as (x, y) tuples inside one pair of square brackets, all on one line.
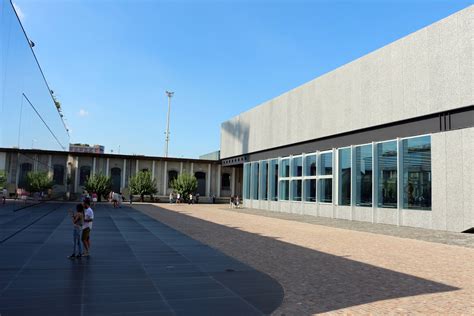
[(433, 123)]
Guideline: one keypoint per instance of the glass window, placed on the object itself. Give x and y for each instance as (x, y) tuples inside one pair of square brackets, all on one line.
[(325, 190), (247, 181), (387, 174), (363, 173), (58, 174), (297, 167), (255, 169), (345, 176), (310, 165), (417, 173), (263, 180), (296, 190), (273, 180), (310, 190), (326, 164), (285, 168), (284, 190)]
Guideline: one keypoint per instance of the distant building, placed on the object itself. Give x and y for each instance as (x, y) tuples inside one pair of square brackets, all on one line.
[(215, 155), (86, 148)]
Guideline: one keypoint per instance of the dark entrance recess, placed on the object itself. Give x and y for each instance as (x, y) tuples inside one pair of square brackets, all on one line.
[(201, 180), (116, 174)]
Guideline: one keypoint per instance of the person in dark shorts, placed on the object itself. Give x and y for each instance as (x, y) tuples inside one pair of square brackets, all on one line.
[(87, 226)]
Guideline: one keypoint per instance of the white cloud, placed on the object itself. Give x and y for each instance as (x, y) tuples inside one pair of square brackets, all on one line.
[(20, 13), (83, 113)]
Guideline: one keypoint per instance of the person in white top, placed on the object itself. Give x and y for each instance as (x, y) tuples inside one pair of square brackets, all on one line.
[(87, 226)]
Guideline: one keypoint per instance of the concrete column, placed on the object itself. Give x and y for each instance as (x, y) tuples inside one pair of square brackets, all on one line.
[(208, 180), (94, 162), (35, 163), (17, 169), (181, 167), (107, 167), (76, 174), (165, 176), (192, 169), (50, 166), (124, 171), (136, 167), (353, 181), (219, 184), (232, 182), (153, 170)]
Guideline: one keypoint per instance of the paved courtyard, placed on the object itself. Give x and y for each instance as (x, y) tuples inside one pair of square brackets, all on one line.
[(138, 266), (359, 269)]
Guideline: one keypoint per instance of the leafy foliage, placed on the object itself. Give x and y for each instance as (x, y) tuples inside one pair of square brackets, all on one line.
[(100, 184), (184, 184), (3, 178), (143, 184), (38, 181)]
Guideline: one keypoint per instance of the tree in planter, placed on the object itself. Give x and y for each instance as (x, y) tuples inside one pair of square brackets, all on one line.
[(100, 184), (38, 181), (142, 184), (184, 184)]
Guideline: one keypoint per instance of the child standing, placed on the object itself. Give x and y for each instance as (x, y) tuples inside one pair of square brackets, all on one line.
[(77, 220)]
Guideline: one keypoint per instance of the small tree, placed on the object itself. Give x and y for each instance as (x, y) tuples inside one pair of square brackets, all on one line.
[(184, 184), (38, 181), (3, 179), (143, 184), (100, 184)]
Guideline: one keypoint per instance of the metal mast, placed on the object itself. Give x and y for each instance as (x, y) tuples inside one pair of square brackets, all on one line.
[(167, 133)]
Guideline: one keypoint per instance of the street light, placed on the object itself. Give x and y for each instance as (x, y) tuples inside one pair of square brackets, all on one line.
[(167, 138)]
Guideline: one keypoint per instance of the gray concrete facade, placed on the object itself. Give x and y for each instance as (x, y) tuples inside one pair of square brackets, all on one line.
[(424, 74)]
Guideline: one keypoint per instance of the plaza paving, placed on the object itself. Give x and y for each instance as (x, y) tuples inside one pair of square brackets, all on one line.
[(338, 267), (138, 266)]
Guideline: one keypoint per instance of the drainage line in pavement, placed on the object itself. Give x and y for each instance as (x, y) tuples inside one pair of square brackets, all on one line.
[(33, 222)]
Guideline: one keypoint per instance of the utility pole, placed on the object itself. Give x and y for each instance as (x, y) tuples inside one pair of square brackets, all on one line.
[(167, 133)]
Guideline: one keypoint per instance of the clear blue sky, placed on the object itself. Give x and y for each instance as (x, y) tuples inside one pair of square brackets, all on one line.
[(110, 62)]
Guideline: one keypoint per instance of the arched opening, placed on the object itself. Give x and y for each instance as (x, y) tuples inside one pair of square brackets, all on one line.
[(116, 175), (84, 174), (58, 174), (201, 180), (24, 169), (172, 174)]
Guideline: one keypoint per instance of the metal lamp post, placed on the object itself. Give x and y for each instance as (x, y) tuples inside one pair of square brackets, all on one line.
[(167, 139)]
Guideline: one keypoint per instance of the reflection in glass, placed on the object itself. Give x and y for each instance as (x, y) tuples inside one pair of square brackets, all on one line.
[(325, 190), (417, 173), (326, 164), (310, 190), (284, 190), (310, 165), (387, 174), (363, 165), (33, 119), (297, 167), (296, 190), (273, 180), (263, 179), (285, 168), (247, 181), (345, 176), (255, 170)]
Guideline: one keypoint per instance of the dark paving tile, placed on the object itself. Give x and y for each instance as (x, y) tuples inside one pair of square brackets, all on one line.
[(136, 266)]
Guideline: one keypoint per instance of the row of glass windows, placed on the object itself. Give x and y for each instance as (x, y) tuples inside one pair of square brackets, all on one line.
[(309, 177)]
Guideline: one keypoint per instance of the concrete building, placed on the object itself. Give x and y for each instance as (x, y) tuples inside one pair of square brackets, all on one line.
[(86, 148), (387, 138), (69, 171)]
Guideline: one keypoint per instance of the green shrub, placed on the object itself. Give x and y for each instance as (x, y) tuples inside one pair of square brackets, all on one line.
[(38, 181), (143, 184), (184, 184), (100, 184)]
